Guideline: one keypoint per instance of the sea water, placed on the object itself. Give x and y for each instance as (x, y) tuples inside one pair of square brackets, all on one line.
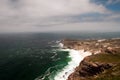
[(76, 57), (37, 56)]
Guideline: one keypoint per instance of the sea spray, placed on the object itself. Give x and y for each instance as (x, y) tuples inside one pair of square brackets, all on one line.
[(76, 57)]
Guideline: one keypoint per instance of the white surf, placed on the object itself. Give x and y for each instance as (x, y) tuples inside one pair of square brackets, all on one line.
[(76, 57)]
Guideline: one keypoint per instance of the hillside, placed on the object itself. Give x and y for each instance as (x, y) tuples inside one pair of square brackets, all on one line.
[(103, 64)]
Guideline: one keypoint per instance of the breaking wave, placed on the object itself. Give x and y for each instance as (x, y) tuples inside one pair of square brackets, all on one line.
[(76, 57), (62, 71)]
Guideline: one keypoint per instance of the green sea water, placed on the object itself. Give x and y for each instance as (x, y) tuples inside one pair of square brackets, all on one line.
[(26, 57), (35, 56)]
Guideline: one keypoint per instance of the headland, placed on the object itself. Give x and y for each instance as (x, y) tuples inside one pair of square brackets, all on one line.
[(103, 64)]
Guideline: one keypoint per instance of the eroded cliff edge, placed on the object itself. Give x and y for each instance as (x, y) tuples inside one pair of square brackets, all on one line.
[(103, 64)]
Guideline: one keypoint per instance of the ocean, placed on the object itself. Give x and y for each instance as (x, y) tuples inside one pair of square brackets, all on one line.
[(38, 56)]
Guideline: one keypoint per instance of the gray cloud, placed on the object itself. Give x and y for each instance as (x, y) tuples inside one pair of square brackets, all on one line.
[(53, 15)]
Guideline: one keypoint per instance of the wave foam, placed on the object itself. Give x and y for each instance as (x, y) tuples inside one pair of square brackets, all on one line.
[(77, 56)]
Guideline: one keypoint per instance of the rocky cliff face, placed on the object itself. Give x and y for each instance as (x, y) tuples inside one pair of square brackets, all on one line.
[(104, 64), (89, 70)]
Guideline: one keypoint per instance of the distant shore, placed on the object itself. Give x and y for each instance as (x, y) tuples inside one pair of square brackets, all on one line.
[(93, 46)]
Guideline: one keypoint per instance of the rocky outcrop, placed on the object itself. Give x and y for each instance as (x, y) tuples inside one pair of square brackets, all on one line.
[(104, 62), (88, 69)]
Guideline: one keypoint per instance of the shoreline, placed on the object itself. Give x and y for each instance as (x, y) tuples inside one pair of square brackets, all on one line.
[(80, 51), (97, 63), (76, 57)]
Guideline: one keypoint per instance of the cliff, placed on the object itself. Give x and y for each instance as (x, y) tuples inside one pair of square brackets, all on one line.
[(104, 64)]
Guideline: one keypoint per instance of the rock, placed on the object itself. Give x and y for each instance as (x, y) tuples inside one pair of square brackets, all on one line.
[(88, 69)]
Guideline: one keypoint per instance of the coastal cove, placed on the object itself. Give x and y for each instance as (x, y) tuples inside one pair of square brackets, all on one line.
[(76, 57), (81, 52)]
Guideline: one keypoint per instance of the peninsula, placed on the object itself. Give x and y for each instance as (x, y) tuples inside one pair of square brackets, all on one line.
[(103, 64)]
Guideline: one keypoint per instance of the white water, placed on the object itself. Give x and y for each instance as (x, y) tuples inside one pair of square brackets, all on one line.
[(77, 56)]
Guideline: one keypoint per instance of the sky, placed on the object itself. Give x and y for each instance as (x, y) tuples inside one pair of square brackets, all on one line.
[(59, 15)]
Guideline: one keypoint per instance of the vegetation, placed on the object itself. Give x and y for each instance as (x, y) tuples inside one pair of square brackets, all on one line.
[(110, 74)]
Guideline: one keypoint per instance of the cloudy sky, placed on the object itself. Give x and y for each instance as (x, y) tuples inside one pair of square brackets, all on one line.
[(59, 15)]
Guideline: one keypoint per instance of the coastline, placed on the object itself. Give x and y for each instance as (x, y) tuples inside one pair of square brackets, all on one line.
[(81, 52), (99, 49), (76, 57)]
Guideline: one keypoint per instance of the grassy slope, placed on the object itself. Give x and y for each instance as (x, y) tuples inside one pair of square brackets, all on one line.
[(111, 74)]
